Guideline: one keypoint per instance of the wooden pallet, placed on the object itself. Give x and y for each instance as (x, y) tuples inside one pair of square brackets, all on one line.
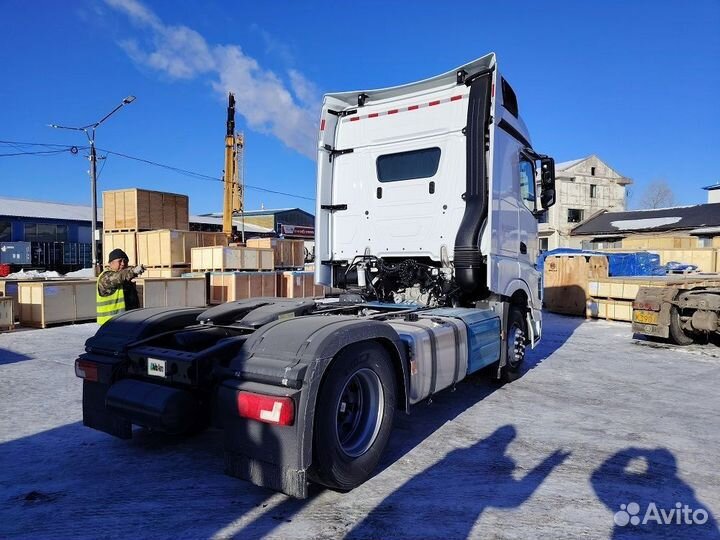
[(37, 324)]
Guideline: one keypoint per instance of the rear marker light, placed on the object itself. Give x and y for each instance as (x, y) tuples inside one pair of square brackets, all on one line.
[(322, 125), (86, 370), (268, 409)]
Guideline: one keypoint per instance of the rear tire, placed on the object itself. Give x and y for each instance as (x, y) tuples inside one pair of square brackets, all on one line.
[(515, 345), (353, 416), (677, 334)]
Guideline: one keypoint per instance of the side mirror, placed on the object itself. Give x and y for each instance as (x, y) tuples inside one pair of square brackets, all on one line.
[(547, 182), (547, 198)]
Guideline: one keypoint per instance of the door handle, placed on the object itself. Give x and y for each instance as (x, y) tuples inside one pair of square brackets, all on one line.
[(523, 248)]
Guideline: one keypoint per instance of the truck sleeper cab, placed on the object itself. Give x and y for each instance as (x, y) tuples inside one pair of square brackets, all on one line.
[(426, 216)]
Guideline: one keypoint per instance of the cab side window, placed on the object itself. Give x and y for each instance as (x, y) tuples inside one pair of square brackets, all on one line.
[(527, 183)]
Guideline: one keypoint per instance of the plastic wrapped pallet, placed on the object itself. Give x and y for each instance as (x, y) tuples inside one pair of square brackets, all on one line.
[(231, 286)]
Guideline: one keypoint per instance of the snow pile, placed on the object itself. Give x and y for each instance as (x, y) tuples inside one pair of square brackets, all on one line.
[(84, 273), (32, 274)]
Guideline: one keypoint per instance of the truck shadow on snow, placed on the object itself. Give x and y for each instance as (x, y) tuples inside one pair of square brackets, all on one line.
[(446, 499), (71, 480), (10, 357)]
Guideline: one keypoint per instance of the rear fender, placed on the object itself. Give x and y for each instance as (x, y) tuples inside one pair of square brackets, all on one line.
[(306, 347)]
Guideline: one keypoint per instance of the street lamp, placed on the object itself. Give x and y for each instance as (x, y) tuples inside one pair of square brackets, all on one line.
[(89, 131)]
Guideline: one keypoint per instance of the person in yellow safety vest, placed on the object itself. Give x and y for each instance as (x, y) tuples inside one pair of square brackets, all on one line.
[(116, 292)]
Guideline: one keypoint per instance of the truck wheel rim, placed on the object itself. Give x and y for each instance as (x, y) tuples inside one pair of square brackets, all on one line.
[(359, 412), (516, 346)]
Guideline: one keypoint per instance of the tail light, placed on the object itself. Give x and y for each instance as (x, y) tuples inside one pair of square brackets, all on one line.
[(268, 409), (86, 370)]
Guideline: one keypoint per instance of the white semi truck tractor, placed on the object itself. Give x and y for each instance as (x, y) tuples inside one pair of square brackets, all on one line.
[(427, 219)]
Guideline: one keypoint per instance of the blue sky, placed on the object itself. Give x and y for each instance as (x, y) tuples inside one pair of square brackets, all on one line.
[(635, 82)]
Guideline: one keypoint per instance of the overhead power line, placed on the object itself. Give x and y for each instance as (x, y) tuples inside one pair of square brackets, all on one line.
[(200, 175), (39, 153), (59, 148)]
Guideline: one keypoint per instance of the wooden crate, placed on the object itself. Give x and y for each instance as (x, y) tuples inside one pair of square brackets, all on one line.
[(299, 285), (653, 242), (288, 253), (565, 281), (615, 310), (168, 247), (9, 288), (127, 241), (222, 258), (171, 292), (231, 286), (626, 287), (140, 209), (173, 272), (7, 313), (49, 302)]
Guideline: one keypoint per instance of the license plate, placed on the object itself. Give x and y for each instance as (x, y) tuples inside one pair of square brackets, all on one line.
[(645, 317), (156, 368)]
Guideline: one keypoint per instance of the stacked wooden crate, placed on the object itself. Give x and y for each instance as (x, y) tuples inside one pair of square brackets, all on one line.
[(224, 259), (612, 297), (289, 254), (299, 285), (127, 212), (153, 229), (231, 286), (167, 252)]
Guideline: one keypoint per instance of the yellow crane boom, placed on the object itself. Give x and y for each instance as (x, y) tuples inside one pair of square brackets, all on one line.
[(233, 192)]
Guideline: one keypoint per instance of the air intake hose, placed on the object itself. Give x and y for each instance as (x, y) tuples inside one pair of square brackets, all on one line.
[(470, 271)]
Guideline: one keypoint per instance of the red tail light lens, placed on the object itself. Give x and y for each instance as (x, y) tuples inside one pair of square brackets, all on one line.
[(268, 409), (86, 370)]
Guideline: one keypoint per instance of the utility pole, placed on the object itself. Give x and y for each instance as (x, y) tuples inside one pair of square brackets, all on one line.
[(89, 131)]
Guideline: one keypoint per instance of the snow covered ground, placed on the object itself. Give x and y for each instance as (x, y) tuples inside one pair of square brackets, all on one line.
[(599, 420)]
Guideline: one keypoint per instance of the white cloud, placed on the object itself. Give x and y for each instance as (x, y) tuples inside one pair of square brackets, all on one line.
[(263, 99)]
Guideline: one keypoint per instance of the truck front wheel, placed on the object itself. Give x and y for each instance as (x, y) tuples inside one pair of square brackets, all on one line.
[(354, 415), (515, 345)]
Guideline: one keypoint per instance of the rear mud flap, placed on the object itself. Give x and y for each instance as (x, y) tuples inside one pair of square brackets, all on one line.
[(96, 415), (291, 482)]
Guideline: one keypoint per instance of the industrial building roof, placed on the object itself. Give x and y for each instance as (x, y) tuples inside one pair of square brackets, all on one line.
[(49, 210), (79, 212), (656, 220)]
